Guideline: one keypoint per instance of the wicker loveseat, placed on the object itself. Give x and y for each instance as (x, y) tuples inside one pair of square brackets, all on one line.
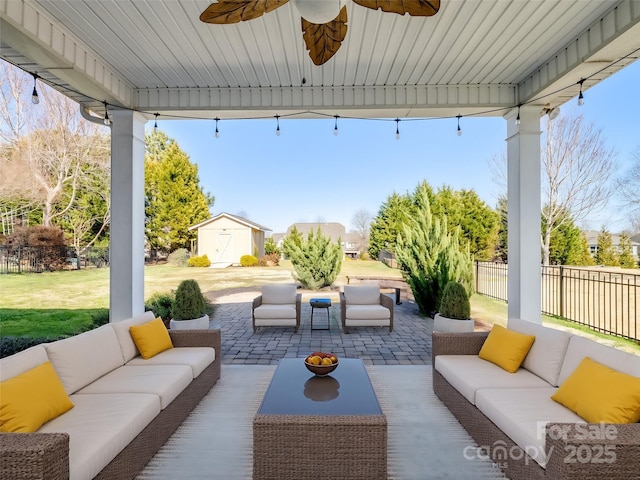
[(512, 417), (125, 407)]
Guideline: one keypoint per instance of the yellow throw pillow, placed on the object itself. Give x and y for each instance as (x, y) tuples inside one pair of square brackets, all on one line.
[(31, 399), (600, 394), (151, 338), (506, 348)]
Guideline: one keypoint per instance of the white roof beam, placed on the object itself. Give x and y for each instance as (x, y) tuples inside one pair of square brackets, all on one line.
[(608, 39), (37, 37)]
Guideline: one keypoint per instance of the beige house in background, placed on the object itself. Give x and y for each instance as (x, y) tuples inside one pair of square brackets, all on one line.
[(225, 238)]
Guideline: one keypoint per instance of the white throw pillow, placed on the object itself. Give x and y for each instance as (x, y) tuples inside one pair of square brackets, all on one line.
[(80, 360), (362, 294), (547, 352), (279, 294)]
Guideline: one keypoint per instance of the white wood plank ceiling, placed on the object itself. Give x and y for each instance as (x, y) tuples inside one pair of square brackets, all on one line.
[(157, 56)]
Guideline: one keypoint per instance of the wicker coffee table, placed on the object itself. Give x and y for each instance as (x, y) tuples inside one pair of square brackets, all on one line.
[(311, 427)]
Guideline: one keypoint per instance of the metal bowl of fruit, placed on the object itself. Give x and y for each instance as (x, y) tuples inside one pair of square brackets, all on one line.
[(321, 363)]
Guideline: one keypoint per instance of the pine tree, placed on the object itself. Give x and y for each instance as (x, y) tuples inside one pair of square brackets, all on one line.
[(174, 198), (291, 241), (316, 261), (478, 222), (430, 256), (606, 254), (388, 223), (626, 252)]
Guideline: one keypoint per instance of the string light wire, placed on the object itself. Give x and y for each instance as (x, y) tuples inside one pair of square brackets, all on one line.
[(107, 121)]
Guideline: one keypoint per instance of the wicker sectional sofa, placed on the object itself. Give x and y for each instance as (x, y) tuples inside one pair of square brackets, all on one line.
[(125, 407), (512, 417)]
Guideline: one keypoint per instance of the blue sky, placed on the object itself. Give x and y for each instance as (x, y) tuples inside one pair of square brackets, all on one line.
[(307, 174)]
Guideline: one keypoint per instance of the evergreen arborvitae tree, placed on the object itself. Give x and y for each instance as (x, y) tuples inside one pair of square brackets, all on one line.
[(606, 254), (479, 224), (174, 199), (316, 261), (430, 256), (387, 224), (626, 252), (294, 239), (502, 250)]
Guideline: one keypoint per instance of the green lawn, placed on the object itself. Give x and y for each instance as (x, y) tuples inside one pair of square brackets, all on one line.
[(50, 305), (62, 303)]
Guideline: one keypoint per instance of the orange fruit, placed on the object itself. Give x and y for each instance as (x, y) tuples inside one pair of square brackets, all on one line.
[(315, 360), (326, 361)]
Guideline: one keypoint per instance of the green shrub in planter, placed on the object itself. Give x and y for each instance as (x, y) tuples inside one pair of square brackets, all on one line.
[(160, 304), (455, 302), (189, 302), (201, 261), (248, 261)]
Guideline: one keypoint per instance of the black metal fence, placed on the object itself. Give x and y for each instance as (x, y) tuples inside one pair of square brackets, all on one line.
[(44, 259), (606, 301)]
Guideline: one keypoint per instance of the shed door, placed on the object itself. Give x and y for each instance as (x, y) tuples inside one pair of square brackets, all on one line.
[(225, 248)]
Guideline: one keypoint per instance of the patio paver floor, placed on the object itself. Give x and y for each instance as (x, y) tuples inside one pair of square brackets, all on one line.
[(408, 344)]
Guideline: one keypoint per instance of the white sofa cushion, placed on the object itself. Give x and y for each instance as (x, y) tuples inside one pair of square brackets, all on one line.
[(522, 414), (198, 358), (273, 311), (547, 352), (127, 345), (100, 426), (362, 294), (166, 381), (367, 312), (279, 294), (22, 361), (469, 373), (580, 347), (81, 359)]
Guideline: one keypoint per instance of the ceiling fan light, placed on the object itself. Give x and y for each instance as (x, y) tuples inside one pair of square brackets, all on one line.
[(319, 11)]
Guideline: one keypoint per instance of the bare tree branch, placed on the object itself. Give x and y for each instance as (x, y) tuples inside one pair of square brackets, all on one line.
[(628, 186), (576, 167), (361, 222)]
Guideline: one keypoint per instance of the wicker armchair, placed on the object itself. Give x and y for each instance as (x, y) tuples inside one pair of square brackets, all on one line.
[(278, 306), (365, 306)]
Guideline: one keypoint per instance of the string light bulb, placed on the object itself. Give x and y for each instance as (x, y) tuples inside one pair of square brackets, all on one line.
[(277, 125), (34, 96), (518, 117), (397, 129), (217, 134), (155, 124), (459, 129), (335, 127), (580, 96), (107, 122)]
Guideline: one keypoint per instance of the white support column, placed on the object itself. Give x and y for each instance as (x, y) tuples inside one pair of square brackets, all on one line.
[(127, 215), (523, 176)]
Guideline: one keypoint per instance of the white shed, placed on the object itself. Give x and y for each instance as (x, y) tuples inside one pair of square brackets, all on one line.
[(225, 238)]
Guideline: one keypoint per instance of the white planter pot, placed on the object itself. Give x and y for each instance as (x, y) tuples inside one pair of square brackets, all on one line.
[(201, 323), (450, 325)]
